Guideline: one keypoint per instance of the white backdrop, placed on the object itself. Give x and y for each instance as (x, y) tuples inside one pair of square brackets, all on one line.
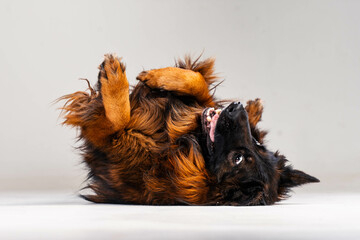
[(301, 57)]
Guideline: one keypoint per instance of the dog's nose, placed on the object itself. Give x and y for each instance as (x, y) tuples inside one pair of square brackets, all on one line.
[(234, 107)]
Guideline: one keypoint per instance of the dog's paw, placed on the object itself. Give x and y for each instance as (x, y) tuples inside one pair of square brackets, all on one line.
[(150, 78), (171, 79), (143, 76), (112, 72), (254, 109)]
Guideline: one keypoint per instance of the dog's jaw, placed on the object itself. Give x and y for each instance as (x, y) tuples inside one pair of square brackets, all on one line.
[(209, 120)]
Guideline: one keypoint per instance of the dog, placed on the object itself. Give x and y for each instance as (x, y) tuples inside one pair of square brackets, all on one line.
[(170, 142)]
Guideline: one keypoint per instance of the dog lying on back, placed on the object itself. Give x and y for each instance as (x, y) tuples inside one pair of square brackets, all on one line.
[(170, 142)]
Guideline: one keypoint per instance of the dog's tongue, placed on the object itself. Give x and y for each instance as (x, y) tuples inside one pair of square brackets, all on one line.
[(212, 127)]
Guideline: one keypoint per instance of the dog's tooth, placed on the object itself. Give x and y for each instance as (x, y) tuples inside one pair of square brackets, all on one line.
[(208, 118), (218, 111)]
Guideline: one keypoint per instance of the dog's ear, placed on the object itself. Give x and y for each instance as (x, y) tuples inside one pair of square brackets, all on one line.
[(290, 177)]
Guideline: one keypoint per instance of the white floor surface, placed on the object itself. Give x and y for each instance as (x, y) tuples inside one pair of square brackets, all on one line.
[(50, 215)]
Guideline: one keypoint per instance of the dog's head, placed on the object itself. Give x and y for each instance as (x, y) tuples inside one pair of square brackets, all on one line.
[(247, 173)]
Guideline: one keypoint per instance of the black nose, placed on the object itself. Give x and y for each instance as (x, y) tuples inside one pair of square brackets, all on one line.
[(234, 107)]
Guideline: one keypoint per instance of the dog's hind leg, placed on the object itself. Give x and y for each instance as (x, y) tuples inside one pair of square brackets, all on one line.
[(104, 111)]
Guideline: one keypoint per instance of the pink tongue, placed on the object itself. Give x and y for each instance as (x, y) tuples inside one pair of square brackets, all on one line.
[(212, 127)]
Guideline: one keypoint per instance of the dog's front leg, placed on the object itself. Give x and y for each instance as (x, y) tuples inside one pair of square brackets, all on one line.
[(104, 112), (115, 92), (180, 81)]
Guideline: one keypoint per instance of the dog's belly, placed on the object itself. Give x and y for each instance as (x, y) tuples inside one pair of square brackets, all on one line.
[(159, 141)]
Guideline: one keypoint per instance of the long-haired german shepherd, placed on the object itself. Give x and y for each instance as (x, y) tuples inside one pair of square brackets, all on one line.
[(170, 142)]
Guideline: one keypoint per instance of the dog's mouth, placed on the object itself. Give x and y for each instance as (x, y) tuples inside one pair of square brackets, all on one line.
[(209, 120)]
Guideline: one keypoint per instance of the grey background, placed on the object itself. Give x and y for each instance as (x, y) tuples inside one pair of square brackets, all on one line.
[(300, 57)]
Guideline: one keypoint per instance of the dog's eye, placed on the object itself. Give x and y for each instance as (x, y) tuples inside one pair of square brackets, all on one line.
[(238, 159)]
